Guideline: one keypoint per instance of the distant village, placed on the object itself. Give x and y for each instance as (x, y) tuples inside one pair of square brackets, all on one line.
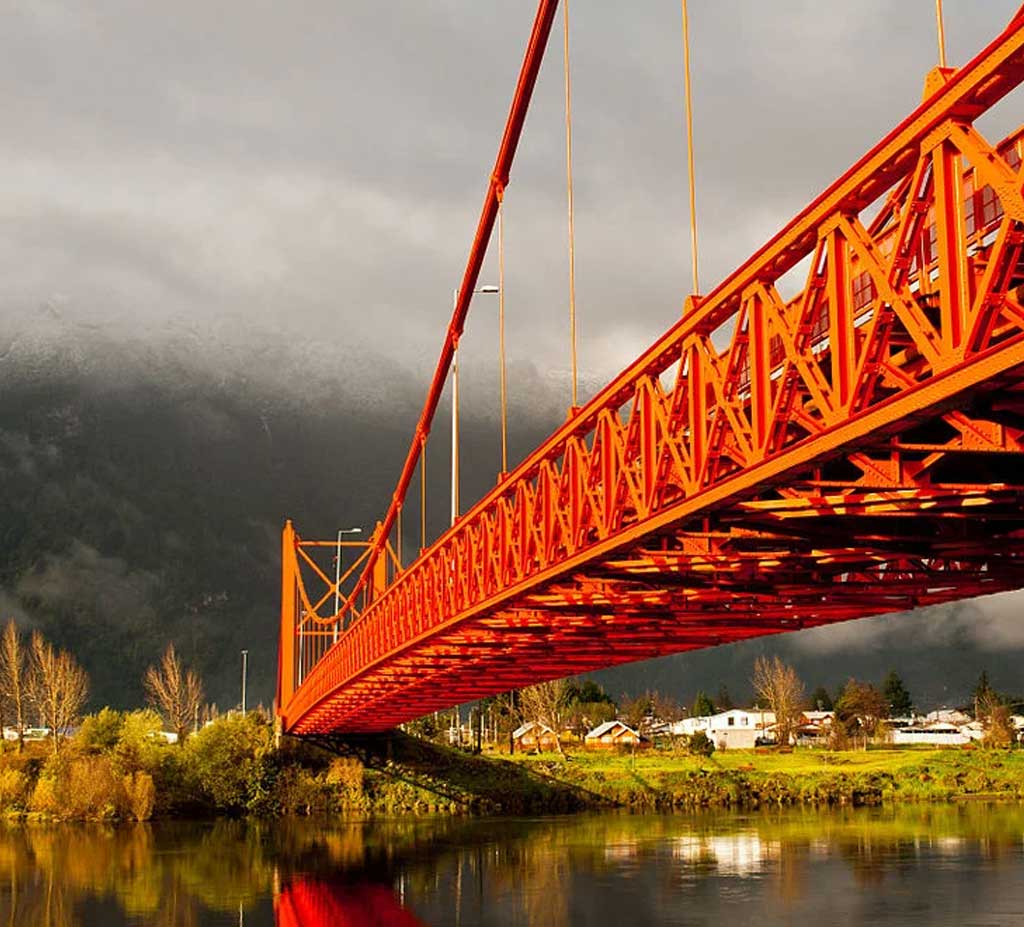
[(747, 728), (573, 714)]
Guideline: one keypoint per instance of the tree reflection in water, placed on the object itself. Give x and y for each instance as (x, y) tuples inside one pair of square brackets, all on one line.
[(585, 869)]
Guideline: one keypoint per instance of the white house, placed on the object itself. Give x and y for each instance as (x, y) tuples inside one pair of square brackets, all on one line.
[(937, 733), (734, 729), (948, 716)]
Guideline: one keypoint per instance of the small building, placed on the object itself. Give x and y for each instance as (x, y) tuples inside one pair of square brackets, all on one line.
[(612, 734), (734, 729), (948, 716), (936, 733), (814, 728), (534, 737)]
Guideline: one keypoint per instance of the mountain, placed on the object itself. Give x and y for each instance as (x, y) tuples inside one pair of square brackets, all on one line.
[(144, 481)]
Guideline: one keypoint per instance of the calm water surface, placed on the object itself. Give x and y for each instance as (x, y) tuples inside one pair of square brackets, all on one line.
[(955, 865)]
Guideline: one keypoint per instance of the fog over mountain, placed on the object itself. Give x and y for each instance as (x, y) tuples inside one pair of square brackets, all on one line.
[(143, 485), (229, 242)]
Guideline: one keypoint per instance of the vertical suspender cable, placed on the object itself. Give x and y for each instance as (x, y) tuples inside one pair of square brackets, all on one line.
[(568, 176), (455, 433), (689, 147), (941, 33), (501, 330), (423, 494)]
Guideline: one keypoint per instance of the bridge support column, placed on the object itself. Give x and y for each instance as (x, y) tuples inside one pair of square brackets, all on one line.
[(286, 642)]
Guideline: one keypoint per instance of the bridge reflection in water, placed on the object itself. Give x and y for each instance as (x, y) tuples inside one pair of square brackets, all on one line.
[(316, 902)]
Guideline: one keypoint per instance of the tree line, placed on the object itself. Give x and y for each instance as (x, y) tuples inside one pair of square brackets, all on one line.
[(42, 683)]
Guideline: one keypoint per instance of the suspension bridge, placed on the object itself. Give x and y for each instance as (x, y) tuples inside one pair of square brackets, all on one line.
[(770, 463)]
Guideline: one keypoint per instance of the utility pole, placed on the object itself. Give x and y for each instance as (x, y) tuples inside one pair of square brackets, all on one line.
[(245, 673)]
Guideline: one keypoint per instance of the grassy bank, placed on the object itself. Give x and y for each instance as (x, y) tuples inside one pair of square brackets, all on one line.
[(751, 779), (116, 768)]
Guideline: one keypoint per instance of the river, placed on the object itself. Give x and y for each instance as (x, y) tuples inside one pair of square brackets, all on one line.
[(935, 865)]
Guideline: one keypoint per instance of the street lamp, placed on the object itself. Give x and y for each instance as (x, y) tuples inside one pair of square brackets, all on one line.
[(245, 673), (490, 289), (337, 575)]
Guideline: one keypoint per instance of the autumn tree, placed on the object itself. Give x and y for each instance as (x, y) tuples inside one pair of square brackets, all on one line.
[(174, 692), (13, 678), (637, 712), (58, 687), (996, 723), (778, 684), (861, 709), (546, 703)]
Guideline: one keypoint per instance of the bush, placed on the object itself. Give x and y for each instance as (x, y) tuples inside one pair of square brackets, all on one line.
[(700, 744), (100, 732), (346, 773), (231, 763), (14, 788), (94, 790), (45, 797), (139, 747), (297, 791), (139, 795)]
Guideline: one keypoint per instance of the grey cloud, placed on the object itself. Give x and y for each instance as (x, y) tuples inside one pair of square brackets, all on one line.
[(319, 167)]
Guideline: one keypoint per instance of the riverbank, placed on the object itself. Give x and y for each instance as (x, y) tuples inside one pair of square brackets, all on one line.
[(115, 769)]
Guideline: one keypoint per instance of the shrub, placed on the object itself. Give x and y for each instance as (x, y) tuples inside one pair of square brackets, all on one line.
[(45, 798), (100, 732), (14, 787), (94, 790), (298, 792), (230, 761), (346, 773), (700, 744), (139, 747), (139, 795)]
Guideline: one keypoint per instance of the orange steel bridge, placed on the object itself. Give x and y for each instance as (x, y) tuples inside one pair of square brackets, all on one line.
[(768, 464)]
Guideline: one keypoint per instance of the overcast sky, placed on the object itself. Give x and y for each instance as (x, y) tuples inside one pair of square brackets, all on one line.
[(313, 171)]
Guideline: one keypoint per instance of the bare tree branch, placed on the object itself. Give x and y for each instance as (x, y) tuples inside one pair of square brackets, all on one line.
[(175, 693), (778, 684), (13, 681), (58, 687)]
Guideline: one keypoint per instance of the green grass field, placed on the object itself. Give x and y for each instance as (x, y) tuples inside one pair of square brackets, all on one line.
[(665, 779)]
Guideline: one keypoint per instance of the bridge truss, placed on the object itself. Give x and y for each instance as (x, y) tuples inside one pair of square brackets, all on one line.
[(771, 463)]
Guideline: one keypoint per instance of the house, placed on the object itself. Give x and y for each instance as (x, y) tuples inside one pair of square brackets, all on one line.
[(814, 727), (948, 716), (936, 733), (534, 736), (612, 734), (734, 729)]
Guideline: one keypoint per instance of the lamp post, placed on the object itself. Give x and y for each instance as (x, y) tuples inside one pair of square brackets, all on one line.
[(337, 575), (245, 673), (455, 408)]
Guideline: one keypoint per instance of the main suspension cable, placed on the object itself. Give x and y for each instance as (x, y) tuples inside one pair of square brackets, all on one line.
[(941, 33), (568, 177), (689, 147), (501, 329)]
